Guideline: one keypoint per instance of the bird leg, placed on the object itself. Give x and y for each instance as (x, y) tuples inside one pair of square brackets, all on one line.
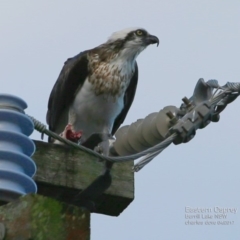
[(103, 147), (70, 134)]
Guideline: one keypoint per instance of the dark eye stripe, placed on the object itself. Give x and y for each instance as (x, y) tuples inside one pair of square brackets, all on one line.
[(132, 35)]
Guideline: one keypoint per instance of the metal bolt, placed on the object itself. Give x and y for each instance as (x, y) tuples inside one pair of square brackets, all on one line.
[(173, 119), (170, 114), (187, 102)]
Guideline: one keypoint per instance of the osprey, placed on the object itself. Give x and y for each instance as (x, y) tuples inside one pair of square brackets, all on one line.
[(95, 89)]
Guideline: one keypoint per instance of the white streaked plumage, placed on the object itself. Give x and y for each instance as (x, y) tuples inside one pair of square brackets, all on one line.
[(87, 107)]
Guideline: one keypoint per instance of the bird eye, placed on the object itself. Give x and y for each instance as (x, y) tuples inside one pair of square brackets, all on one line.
[(139, 32)]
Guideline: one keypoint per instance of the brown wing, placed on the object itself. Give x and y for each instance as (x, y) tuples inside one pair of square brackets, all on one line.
[(71, 78), (128, 99)]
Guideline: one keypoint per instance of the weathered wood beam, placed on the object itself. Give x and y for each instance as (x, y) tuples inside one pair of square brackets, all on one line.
[(63, 172), (37, 217)]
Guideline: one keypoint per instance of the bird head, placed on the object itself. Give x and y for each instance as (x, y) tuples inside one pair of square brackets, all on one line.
[(130, 42)]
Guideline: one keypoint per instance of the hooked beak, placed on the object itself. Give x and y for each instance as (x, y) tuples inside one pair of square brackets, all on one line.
[(151, 39)]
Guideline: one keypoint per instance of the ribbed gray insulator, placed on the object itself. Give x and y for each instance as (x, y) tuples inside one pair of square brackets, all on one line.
[(143, 133), (16, 148)]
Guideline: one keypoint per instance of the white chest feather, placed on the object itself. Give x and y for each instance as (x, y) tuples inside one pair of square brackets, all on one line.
[(93, 113), (100, 99)]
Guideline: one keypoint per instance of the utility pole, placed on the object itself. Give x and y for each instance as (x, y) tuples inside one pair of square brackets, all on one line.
[(57, 210)]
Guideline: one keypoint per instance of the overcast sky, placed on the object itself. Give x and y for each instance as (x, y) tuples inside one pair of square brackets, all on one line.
[(197, 39)]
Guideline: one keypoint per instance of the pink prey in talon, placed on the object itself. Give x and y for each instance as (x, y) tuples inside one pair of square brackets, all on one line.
[(70, 134)]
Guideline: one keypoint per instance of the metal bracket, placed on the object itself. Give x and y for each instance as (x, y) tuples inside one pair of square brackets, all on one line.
[(198, 113), (199, 117)]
